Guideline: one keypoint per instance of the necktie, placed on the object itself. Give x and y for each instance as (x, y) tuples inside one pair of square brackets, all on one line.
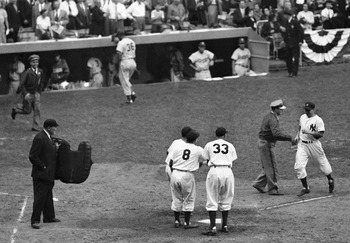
[(56, 14), (116, 12)]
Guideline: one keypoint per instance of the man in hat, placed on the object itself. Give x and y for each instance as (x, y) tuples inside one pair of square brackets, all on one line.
[(200, 61), (43, 156), (327, 15), (269, 134), (241, 60), (293, 35), (311, 129), (31, 86), (220, 181)]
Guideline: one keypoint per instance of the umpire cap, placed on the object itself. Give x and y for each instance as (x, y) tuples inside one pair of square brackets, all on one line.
[(277, 104), (50, 123), (192, 136)]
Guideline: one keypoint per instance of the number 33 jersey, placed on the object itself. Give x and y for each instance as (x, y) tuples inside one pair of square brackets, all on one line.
[(186, 156), (220, 152), (127, 48)]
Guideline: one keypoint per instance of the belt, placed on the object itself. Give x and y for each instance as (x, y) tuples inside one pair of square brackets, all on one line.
[(307, 141), (182, 170), (219, 166), (242, 65)]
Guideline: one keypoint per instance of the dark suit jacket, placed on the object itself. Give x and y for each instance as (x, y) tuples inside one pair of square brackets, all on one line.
[(36, 13), (43, 154), (238, 18), (294, 33), (13, 17), (25, 12), (31, 82), (84, 16), (97, 21)]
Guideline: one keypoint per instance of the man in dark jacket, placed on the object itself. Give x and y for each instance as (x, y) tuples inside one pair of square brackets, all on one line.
[(293, 35), (269, 134), (30, 86), (14, 20), (43, 156)]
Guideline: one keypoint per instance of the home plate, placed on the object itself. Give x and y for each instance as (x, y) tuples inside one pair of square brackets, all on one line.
[(207, 221)]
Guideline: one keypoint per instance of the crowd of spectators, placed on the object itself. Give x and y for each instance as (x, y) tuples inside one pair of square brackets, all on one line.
[(61, 18)]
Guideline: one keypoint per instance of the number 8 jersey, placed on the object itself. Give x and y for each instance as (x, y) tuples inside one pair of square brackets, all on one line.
[(127, 47), (220, 152), (186, 157)]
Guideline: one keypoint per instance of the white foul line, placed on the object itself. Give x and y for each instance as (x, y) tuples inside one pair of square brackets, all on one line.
[(297, 202), (14, 195), (19, 219)]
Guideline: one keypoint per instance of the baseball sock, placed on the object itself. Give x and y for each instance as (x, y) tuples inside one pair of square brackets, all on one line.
[(329, 177), (177, 216), (304, 182), (212, 217), (224, 218), (187, 217)]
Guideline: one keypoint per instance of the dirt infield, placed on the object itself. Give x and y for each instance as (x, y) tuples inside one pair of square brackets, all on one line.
[(127, 198)]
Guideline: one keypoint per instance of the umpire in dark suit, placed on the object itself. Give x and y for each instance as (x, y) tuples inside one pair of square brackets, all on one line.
[(293, 35), (43, 156)]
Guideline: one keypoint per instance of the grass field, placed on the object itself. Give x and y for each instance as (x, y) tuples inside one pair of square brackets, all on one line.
[(127, 198)]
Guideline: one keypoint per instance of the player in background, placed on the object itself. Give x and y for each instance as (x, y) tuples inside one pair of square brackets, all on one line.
[(126, 65), (185, 159), (200, 61), (176, 143), (311, 129), (220, 180)]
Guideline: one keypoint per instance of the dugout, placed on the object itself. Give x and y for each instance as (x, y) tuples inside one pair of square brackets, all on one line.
[(152, 55)]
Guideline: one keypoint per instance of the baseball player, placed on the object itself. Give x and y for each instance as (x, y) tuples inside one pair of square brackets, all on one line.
[(311, 129), (241, 60), (176, 143), (200, 61), (184, 160), (220, 181), (126, 49)]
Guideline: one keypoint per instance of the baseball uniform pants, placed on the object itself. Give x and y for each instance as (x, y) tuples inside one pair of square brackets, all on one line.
[(183, 191), (33, 103), (269, 174), (204, 74), (241, 71), (168, 172), (127, 68), (220, 187), (308, 151)]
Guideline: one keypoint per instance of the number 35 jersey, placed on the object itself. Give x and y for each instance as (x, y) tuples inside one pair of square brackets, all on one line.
[(186, 156), (220, 152), (127, 48)]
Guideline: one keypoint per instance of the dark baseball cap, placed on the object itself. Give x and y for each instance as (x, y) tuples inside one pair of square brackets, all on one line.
[(220, 131), (202, 44), (192, 136), (309, 106), (50, 123), (185, 130)]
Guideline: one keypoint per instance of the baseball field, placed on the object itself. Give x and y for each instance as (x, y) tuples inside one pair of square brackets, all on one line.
[(127, 197)]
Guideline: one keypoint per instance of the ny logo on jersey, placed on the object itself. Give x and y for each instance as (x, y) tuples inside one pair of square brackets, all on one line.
[(313, 128)]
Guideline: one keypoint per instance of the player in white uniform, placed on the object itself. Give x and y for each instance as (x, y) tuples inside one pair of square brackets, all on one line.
[(201, 60), (185, 159), (220, 180), (175, 144), (311, 129), (126, 49), (241, 60)]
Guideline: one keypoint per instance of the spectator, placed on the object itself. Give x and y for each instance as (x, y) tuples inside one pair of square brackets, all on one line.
[(311, 5), (241, 60), (70, 7), (201, 60), (348, 14), (176, 14), (268, 31), (95, 68), (60, 73), (137, 12), (16, 68), (319, 6), (196, 12), (266, 13), (43, 26), (121, 15), (112, 73), (280, 15), (257, 12), (299, 5), (327, 15), (177, 64), (149, 8), (36, 9), (271, 4), (110, 13), (97, 19), (306, 18), (59, 20), (240, 14), (214, 9), (250, 20), (25, 13), (83, 16), (4, 24), (14, 20), (157, 19)]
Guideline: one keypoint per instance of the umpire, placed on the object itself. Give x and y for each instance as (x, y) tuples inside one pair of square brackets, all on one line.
[(269, 134)]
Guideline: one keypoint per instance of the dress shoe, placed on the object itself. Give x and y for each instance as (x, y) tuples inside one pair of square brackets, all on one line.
[(275, 193), (35, 225), (52, 221), (13, 114), (259, 189)]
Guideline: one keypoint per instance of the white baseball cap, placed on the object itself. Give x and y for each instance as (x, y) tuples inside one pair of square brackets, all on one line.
[(277, 104)]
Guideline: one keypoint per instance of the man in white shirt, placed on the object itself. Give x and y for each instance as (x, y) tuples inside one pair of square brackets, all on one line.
[(137, 12), (70, 7), (327, 15), (43, 24), (241, 60), (306, 17), (201, 60), (185, 159)]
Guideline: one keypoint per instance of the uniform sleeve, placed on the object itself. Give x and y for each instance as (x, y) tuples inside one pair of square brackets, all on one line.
[(206, 152), (193, 58), (202, 156), (320, 125), (234, 55), (120, 47), (234, 153), (248, 53), (211, 55)]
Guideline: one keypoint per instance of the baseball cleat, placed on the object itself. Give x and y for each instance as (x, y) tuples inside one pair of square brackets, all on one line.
[(276, 193), (13, 114), (331, 185), (190, 226), (177, 224), (133, 96), (304, 191), (259, 189), (224, 229), (210, 232)]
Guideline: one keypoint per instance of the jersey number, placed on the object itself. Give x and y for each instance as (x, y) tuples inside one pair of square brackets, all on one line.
[(186, 154), (223, 148), (130, 46)]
